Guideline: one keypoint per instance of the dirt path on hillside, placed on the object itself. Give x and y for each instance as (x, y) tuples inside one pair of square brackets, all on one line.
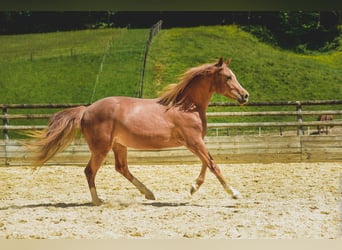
[(279, 201)]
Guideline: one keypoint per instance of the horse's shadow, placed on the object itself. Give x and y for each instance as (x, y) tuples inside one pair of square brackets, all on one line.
[(89, 204), (166, 204), (55, 205), (180, 204)]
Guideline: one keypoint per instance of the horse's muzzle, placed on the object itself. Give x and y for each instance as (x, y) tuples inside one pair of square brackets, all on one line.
[(243, 99)]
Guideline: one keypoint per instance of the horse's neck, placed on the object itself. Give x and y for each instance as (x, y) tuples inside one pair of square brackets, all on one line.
[(200, 94)]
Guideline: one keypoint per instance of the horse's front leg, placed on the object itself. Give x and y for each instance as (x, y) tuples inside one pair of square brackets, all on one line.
[(201, 151), (217, 172)]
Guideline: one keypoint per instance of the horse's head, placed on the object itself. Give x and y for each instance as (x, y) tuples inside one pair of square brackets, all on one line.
[(227, 84)]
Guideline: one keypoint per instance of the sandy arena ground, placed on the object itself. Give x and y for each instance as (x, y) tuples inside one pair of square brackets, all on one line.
[(279, 201)]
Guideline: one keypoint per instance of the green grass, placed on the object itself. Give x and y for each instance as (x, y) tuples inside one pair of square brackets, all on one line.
[(54, 76), (47, 45)]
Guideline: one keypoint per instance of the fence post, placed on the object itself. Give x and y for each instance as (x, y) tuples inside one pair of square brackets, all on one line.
[(153, 31), (5, 122), (300, 130)]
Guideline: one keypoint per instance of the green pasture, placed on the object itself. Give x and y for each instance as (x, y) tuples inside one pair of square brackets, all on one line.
[(62, 67), (65, 65)]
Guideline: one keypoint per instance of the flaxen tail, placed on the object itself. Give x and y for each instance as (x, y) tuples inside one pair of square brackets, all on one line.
[(60, 132)]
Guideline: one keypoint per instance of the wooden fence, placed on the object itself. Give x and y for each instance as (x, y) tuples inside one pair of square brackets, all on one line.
[(225, 149)]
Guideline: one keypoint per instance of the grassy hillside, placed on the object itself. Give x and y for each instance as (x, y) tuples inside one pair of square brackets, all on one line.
[(65, 65), (55, 76), (268, 74)]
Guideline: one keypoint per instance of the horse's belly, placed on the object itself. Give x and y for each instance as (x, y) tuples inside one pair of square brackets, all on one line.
[(149, 139), (147, 143)]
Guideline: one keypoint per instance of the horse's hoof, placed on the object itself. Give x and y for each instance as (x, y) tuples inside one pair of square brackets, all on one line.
[(236, 195), (150, 196), (97, 202), (193, 189)]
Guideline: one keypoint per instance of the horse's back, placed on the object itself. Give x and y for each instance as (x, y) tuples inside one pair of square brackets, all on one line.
[(111, 107)]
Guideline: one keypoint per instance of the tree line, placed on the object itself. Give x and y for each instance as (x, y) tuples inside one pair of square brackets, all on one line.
[(289, 29)]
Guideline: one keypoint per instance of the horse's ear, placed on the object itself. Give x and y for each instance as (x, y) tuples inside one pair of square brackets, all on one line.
[(228, 61), (219, 63)]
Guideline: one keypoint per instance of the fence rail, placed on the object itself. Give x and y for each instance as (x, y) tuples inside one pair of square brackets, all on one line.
[(274, 113), (273, 124), (281, 103)]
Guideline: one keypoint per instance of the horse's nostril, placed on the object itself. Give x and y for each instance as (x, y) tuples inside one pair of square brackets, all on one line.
[(244, 96)]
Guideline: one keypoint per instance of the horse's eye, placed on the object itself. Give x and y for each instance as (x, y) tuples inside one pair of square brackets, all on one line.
[(229, 78)]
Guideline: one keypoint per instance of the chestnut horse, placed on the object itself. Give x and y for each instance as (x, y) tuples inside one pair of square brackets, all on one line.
[(177, 118)]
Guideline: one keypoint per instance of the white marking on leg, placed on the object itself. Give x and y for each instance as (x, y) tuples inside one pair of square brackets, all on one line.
[(235, 193), (194, 188), (95, 199), (143, 189)]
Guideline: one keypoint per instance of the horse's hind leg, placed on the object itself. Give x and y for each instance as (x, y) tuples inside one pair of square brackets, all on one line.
[(121, 166), (90, 171), (199, 181)]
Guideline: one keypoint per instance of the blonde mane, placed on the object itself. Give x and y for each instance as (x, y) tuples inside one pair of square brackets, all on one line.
[(173, 94)]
